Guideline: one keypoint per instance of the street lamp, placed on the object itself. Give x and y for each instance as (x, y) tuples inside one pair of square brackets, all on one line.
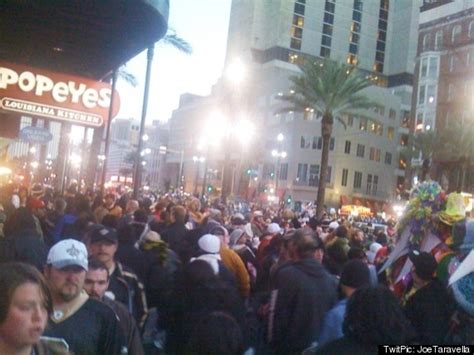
[(279, 154)]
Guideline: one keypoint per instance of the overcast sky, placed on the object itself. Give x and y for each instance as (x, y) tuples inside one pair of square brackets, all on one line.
[(204, 24)]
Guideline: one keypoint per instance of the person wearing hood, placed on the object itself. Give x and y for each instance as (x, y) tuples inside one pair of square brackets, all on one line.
[(239, 242), (304, 291), (272, 230)]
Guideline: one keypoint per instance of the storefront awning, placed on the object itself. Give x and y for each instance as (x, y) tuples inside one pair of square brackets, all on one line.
[(85, 38)]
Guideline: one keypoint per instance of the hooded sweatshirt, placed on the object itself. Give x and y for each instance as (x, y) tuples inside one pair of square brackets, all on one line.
[(304, 292)]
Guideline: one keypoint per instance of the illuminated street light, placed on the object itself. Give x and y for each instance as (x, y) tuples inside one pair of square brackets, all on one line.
[(145, 137), (280, 137), (244, 131), (34, 164), (235, 72), (33, 150)]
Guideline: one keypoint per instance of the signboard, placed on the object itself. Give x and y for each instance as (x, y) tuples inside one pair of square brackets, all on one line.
[(35, 135), (57, 96)]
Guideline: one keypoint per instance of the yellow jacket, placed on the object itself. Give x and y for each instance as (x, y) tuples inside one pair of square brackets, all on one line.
[(236, 266)]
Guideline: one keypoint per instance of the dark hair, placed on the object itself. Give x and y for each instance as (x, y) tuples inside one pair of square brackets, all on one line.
[(304, 242), (381, 238), (356, 253), (218, 231), (179, 214), (12, 276), (342, 232), (110, 221), (140, 215), (127, 233), (96, 264), (216, 333), (374, 316), (198, 272)]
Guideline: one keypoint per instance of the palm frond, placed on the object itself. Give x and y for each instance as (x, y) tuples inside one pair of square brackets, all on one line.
[(127, 77), (172, 39)]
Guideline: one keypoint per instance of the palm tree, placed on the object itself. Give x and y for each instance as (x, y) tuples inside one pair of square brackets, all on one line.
[(423, 145), (331, 88)]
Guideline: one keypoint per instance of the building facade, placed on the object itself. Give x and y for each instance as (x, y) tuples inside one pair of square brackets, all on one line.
[(444, 79), (271, 39)]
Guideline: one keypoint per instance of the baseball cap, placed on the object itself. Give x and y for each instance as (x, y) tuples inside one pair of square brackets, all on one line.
[(35, 203), (68, 252), (104, 234), (333, 225), (425, 264)]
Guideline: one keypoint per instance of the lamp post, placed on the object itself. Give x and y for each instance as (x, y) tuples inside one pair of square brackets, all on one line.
[(197, 160), (279, 154)]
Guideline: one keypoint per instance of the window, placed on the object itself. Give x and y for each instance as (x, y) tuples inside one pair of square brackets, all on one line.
[(390, 133), (360, 150), (347, 147), (471, 29), (382, 24), (452, 62), (328, 17), (320, 143), (392, 114), (355, 27), (426, 41), (315, 143), (379, 129), (352, 59), (456, 33), (284, 171), (450, 92), (382, 36), (295, 44), (345, 174), (332, 143), (377, 155), (380, 46), (431, 93), (298, 20), (424, 68), (383, 14), (388, 158), (421, 95), (438, 40), (328, 175), (372, 153), (326, 41), (358, 5), (330, 6), (313, 175), (357, 16), (305, 142), (369, 184), (299, 9), (378, 67), (296, 32), (354, 37), (433, 67), (325, 52), (327, 29), (357, 180), (302, 172), (363, 124), (379, 56), (350, 120), (375, 185), (353, 48)]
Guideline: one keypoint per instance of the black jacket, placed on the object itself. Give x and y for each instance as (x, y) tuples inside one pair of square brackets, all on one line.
[(429, 310), (304, 292), (26, 246)]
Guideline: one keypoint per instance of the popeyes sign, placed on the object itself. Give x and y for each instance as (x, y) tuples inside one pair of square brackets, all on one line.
[(53, 95)]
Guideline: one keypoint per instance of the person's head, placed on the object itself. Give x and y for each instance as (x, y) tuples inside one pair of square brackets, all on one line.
[(25, 302), (109, 200), (66, 269), (424, 266), (140, 216), (221, 233), (209, 244), (342, 232), (273, 229), (302, 244), (127, 234), (357, 236), (178, 214), (381, 238), (131, 206), (194, 205), (198, 272), (357, 253), (374, 316), (60, 205), (103, 245), (237, 237), (97, 279), (216, 333), (110, 220), (355, 274), (36, 206)]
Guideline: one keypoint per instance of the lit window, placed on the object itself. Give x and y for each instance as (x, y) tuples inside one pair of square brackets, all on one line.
[(298, 20)]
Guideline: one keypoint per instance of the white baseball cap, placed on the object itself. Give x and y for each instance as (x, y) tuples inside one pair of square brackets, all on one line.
[(66, 253), (333, 225)]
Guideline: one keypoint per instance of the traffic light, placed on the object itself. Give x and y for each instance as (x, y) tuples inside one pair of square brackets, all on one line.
[(249, 171), (272, 174), (288, 200), (209, 188)]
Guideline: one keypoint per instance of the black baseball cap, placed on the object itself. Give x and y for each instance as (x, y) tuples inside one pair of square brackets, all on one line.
[(104, 234), (425, 264)]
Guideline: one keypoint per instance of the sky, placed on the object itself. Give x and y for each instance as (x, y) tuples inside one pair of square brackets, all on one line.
[(203, 24)]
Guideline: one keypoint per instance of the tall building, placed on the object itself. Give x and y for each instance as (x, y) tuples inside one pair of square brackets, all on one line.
[(444, 79), (272, 38)]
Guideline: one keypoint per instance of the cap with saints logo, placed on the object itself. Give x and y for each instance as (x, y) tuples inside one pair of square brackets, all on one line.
[(68, 252)]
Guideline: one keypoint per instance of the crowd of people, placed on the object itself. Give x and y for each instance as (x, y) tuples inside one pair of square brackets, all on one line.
[(87, 274)]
